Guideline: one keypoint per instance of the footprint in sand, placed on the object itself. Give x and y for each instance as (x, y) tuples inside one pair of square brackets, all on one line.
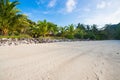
[(101, 72), (117, 53), (102, 63)]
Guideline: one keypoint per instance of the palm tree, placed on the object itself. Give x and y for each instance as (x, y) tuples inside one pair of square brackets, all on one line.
[(81, 26), (34, 31), (8, 12), (80, 31), (70, 31), (94, 28), (95, 31), (63, 31), (22, 23), (52, 29), (43, 26)]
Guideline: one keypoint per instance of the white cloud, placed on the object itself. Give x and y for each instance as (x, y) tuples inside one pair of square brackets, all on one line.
[(103, 5), (52, 3), (38, 2), (106, 12), (114, 17), (102, 19), (87, 9), (45, 12), (70, 5)]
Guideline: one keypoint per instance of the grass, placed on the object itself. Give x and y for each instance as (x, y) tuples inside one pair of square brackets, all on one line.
[(19, 36)]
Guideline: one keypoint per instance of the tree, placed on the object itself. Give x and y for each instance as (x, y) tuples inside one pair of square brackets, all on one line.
[(95, 32), (52, 29), (88, 28), (62, 31), (22, 24), (112, 31), (70, 31), (43, 27), (8, 12), (81, 26), (94, 29), (34, 31), (118, 31), (80, 31)]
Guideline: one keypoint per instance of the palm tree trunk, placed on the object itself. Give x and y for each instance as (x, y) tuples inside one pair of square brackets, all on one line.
[(5, 32)]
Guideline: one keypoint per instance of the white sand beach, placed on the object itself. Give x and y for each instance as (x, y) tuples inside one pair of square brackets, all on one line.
[(81, 60)]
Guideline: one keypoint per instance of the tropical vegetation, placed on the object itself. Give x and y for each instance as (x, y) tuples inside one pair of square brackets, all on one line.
[(13, 23)]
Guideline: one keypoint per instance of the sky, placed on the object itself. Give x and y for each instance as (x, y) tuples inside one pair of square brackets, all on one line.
[(65, 12)]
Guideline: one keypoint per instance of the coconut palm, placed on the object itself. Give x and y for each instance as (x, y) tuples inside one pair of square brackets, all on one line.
[(22, 24), (52, 28), (63, 31), (34, 31), (80, 31), (8, 12), (43, 27), (70, 31)]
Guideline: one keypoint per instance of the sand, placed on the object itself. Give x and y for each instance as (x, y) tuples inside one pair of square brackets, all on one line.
[(84, 60)]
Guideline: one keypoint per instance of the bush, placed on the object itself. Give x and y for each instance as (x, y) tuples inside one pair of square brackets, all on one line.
[(69, 36), (78, 36)]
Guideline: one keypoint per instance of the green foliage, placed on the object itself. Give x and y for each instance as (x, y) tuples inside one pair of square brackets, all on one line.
[(8, 13), (34, 31), (112, 31), (118, 32), (42, 28), (70, 32), (18, 37), (90, 35), (80, 31), (10, 20), (63, 31), (52, 29)]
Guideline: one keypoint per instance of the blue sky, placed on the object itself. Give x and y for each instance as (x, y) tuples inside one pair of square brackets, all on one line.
[(64, 12)]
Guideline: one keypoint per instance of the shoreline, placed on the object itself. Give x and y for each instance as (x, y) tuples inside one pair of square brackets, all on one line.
[(10, 41), (16, 41)]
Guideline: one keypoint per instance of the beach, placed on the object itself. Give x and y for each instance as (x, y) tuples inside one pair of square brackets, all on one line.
[(77, 60)]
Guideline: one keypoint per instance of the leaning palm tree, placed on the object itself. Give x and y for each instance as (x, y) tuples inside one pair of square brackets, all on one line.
[(8, 12)]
